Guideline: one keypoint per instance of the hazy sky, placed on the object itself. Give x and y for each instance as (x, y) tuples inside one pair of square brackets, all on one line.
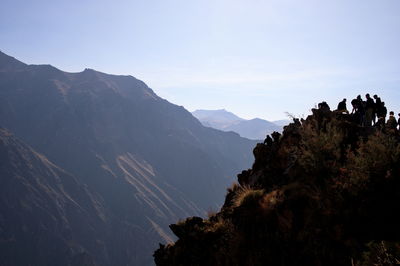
[(256, 58)]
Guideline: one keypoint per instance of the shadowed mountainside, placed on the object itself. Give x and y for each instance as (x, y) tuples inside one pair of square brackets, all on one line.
[(255, 128), (41, 203), (325, 192), (148, 161)]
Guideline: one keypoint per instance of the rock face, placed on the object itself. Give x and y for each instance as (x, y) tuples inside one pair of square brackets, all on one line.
[(148, 162), (325, 192), (255, 128)]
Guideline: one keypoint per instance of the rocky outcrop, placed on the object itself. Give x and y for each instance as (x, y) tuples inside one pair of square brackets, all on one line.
[(325, 192)]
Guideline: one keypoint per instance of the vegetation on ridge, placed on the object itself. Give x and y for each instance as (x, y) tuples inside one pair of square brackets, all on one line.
[(325, 192)]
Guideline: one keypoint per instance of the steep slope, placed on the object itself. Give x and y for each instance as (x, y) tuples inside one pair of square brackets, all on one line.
[(255, 129), (150, 161), (46, 215), (325, 192)]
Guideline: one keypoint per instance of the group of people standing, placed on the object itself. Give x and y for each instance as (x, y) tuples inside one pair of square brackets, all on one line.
[(371, 112)]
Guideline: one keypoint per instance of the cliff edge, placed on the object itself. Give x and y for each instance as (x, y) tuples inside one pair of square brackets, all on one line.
[(325, 192)]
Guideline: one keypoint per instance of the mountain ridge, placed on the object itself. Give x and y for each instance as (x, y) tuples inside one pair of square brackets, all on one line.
[(221, 119), (151, 162)]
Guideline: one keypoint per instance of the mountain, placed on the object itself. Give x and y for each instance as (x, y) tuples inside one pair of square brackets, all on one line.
[(256, 129), (219, 119), (282, 123), (42, 203), (147, 161), (324, 192)]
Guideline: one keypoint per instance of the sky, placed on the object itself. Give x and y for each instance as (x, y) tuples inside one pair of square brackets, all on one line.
[(255, 58)]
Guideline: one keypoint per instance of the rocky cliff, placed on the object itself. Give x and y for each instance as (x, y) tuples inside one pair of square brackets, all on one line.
[(325, 192)]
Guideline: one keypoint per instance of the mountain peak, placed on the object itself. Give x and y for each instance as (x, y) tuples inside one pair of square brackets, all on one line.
[(8, 62), (219, 114), (222, 119)]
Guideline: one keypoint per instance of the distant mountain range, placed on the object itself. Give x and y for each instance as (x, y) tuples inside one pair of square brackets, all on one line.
[(94, 167), (256, 128)]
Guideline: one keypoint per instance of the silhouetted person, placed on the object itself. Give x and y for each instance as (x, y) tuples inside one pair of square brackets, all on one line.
[(380, 124), (358, 110), (342, 107), (398, 121), (275, 136), (268, 141), (377, 99), (391, 124), (324, 106), (369, 110), (378, 107), (383, 111), (354, 115), (354, 104), (362, 109)]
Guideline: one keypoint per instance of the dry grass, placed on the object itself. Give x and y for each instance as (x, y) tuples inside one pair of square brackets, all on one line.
[(271, 199), (247, 196)]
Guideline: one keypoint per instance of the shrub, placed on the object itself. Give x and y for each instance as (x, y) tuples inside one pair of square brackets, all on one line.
[(248, 197), (320, 150), (373, 161), (380, 253)]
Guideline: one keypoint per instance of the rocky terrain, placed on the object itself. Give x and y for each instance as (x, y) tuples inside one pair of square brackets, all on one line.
[(325, 192)]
